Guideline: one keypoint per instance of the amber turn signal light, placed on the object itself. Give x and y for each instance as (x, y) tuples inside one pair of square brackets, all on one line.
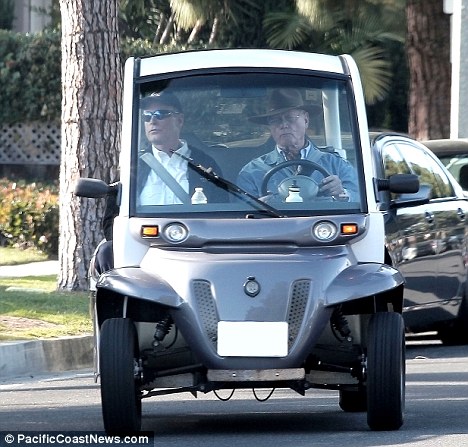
[(349, 229), (149, 231)]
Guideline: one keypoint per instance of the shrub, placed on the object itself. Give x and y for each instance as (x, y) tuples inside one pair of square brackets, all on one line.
[(29, 215), (30, 76), (30, 73)]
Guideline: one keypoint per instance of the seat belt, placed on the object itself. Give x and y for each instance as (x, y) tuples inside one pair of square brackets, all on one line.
[(167, 178)]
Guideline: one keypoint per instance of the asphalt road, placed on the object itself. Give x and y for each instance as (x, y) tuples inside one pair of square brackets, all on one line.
[(436, 410)]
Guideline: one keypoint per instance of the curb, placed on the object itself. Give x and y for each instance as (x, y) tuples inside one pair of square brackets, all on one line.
[(19, 358), (31, 357)]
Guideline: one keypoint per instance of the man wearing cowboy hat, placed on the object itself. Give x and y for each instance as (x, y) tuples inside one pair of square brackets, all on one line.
[(288, 120)]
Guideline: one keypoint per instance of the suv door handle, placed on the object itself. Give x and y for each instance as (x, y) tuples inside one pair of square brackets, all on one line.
[(429, 217), (461, 214)]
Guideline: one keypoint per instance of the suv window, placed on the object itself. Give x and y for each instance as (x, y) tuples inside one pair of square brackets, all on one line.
[(394, 162), (404, 158), (429, 172)]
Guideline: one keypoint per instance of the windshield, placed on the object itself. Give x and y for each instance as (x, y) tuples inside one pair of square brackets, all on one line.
[(245, 142)]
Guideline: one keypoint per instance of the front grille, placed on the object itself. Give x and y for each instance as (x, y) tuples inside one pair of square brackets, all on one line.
[(206, 308), (297, 305)]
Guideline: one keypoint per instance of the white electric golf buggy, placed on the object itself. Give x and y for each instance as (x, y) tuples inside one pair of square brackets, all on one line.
[(285, 288)]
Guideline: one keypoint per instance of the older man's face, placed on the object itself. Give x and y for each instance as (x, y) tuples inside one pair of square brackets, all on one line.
[(288, 129)]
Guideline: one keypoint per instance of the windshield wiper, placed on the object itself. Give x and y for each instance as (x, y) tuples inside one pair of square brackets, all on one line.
[(209, 174)]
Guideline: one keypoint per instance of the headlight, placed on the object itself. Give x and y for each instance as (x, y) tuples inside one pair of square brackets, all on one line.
[(325, 231), (176, 232)]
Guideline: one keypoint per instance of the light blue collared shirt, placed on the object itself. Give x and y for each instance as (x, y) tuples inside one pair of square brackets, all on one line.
[(252, 174)]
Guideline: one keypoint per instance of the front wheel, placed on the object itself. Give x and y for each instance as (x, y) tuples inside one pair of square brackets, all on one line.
[(385, 371), (120, 394)]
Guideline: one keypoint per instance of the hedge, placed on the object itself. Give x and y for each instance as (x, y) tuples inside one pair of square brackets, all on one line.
[(30, 67), (31, 89)]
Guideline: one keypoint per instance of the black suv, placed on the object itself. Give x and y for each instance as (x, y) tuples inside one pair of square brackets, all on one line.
[(426, 236)]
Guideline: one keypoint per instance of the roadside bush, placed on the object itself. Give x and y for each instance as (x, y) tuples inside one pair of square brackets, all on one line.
[(30, 73), (30, 66), (29, 215)]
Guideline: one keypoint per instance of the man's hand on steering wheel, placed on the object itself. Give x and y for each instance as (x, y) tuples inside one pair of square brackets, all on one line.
[(331, 186)]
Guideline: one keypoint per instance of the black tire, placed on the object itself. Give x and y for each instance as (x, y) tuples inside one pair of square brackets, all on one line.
[(353, 401), (120, 395), (386, 371)]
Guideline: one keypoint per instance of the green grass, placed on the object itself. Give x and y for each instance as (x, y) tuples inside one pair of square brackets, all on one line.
[(14, 256), (48, 313)]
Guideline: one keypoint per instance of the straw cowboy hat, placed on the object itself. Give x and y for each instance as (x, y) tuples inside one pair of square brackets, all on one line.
[(282, 100)]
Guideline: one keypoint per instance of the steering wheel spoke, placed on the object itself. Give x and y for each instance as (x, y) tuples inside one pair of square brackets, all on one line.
[(309, 188)]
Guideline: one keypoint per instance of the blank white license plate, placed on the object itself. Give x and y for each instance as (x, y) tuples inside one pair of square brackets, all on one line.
[(252, 339)]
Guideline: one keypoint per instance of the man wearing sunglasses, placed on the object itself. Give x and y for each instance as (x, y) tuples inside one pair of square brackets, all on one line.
[(288, 119), (163, 118)]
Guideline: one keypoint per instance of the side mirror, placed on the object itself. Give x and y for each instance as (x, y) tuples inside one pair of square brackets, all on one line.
[(399, 184), (421, 197), (93, 188)]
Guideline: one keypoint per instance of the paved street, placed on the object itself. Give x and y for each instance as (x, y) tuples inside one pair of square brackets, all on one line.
[(31, 269), (436, 410)]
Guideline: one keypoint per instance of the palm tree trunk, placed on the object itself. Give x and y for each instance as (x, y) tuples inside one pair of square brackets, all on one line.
[(159, 29), (214, 30), (167, 30), (196, 29)]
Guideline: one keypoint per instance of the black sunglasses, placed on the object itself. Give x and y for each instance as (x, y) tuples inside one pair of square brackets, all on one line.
[(158, 114)]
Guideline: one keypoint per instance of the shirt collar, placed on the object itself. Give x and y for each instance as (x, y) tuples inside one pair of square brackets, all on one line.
[(175, 161), (304, 151)]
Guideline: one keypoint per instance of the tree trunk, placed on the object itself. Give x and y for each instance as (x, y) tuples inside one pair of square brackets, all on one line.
[(428, 46), (167, 31), (214, 30), (91, 117), (159, 29), (195, 30)]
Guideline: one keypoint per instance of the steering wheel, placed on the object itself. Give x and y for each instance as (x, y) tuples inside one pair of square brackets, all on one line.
[(309, 187)]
